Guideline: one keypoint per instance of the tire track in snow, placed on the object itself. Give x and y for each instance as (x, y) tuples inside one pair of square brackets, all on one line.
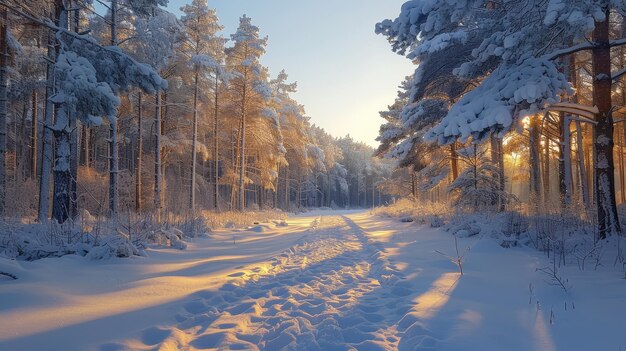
[(334, 290)]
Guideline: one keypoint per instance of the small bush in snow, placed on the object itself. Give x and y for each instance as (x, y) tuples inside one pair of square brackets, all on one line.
[(171, 238), (435, 221)]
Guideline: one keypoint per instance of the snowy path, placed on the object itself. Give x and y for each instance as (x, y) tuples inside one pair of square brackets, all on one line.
[(328, 281), (322, 294)]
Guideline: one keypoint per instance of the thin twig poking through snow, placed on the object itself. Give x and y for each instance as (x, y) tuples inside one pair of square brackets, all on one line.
[(555, 278), (458, 260)]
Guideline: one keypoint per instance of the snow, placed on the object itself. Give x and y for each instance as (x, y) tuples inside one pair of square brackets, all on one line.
[(507, 95), (327, 280)]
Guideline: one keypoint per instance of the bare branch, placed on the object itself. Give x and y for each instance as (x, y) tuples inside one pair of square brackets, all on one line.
[(571, 50), (615, 76)]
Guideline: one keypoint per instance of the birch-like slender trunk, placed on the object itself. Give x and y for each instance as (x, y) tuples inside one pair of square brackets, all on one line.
[(73, 167), (34, 136), (242, 144), (138, 168), (287, 197), (158, 200), (608, 222), (194, 146), (216, 163), (546, 169)]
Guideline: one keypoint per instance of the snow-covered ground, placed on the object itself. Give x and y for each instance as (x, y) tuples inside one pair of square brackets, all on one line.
[(327, 280)]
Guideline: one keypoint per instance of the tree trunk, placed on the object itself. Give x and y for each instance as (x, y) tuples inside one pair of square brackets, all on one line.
[(565, 170), (61, 205), (414, 185), (4, 56), (546, 170), (113, 166), (620, 155), (34, 136), (194, 146), (242, 145), (113, 146), (216, 163), (299, 194), (47, 154), (287, 189), (565, 161), (454, 161), (497, 159), (535, 177), (138, 168), (475, 172), (85, 146), (158, 200), (620, 131), (608, 222), (74, 142), (328, 191), (73, 168), (584, 182)]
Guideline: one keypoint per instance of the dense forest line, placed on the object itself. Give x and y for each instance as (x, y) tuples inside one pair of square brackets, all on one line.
[(120, 106)]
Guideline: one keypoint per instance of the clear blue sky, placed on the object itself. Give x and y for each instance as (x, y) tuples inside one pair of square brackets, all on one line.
[(345, 72)]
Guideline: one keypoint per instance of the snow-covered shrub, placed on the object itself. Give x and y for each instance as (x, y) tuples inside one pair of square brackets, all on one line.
[(35, 241), (515, 224), (114, 246), (239, 219), (410, 210), (435, 221), (466, 229), (89, 236), (561, 234), (170, 238), (191, 224)]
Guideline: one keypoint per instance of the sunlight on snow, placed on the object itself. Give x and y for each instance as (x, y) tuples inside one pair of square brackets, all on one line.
[(430, 302), (541, 336), (159, 289)]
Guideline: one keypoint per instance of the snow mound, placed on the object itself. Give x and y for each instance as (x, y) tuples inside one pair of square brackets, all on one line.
[(169, 238), (261, 228)]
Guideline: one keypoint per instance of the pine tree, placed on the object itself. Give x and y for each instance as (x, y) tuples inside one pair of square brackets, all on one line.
[(250, 85), (202, 50)]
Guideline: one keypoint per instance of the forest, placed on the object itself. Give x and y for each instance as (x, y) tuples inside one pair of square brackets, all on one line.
[(514, 106), (162, 186), (121, 107)]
